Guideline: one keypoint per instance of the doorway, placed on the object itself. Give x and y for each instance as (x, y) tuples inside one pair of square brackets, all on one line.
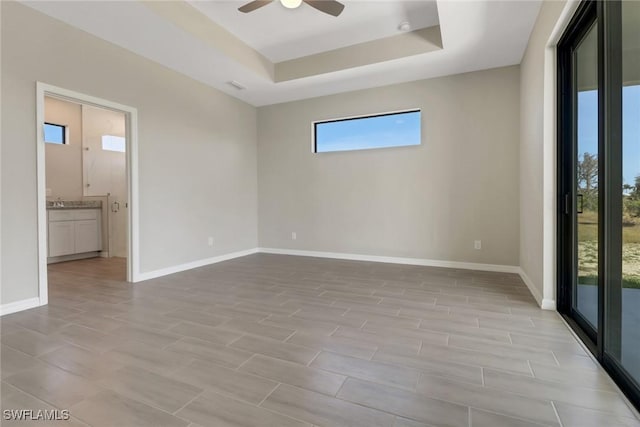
[(87, 181), (599, 185)]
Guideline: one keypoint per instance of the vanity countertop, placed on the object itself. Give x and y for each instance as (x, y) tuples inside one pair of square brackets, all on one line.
[(82, 204)]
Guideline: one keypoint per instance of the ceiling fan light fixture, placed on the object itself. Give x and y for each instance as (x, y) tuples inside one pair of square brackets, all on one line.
[(330, 7), (291, 4)]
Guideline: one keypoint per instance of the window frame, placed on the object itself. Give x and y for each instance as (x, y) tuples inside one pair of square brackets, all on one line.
[(314, 129), (65, 136)]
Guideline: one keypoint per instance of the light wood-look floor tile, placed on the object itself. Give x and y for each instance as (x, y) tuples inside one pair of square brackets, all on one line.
[(572, 394), (15, 399), (206, 350), (147, 357), (82, 362), (240, 385), (277, 349), (578, 416), (537, 408), (323, 410), (153, 389), (89, 338), (490, 419), (280, 341), (31, 342), (14, 361), (375, 371), (108, 409), (53, 385), (214, 409), (334, 343), (457, 371), (295, 374), (205, 333), (405, 403)]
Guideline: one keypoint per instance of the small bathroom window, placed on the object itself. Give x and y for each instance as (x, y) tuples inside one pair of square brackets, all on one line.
[(55, 134), (114, 143)]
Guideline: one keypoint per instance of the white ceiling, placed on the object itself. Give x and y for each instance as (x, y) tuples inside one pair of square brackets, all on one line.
[(476, 35), (281, 34)]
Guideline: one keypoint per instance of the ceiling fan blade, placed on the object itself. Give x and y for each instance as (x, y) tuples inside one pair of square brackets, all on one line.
[(250, 7), (332, 7)]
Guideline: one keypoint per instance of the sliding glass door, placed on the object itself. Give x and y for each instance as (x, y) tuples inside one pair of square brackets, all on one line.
[(586, 213), (599, 184), (581, 175), (623, 341)]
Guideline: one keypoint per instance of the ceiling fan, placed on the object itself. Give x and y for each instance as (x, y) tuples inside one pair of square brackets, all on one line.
[(331, 7)]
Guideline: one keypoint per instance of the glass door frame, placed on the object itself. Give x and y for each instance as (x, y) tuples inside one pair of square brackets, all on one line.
[(582, 22), (603, 341)]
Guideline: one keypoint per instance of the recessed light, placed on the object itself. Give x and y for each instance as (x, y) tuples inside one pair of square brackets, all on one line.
[(404, 26), (237, 85)]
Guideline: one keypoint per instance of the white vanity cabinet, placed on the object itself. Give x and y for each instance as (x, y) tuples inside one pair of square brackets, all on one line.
[(74, 231), (87, 236), (61, 238)]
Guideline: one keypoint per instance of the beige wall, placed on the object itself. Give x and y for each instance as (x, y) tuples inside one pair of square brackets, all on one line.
[(64, 162), (428, 202), (197, 147), (532, 152)]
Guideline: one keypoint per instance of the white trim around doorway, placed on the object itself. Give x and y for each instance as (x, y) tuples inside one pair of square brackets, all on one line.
[(133, 237)]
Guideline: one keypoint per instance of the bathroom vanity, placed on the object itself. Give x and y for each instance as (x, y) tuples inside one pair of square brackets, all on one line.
[(74, 230)]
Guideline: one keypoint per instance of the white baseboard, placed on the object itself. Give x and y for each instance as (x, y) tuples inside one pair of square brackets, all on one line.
[(396, 260), (532, 288), (548, 304), (194, 264), (16, 306), (74, 257), (544, 303)]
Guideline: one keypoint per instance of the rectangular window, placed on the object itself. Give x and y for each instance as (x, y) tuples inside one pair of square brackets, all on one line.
[(114, 143), (398, 129), (55, 134)]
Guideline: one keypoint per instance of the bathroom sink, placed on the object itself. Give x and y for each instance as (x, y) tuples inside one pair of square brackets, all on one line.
[(74, 204)]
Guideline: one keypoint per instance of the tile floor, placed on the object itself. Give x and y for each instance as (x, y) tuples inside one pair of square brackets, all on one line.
[(278, 341)]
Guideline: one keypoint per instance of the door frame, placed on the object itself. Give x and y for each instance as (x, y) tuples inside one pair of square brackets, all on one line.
[(133, 237), (566, 263)]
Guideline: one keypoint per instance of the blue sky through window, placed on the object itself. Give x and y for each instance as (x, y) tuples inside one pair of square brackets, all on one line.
[(54, 134), (392, 130), (588, 128)]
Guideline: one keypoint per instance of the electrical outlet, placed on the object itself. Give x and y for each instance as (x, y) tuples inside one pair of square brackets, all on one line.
[(210, 241), (477, 244), (294, 235)]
